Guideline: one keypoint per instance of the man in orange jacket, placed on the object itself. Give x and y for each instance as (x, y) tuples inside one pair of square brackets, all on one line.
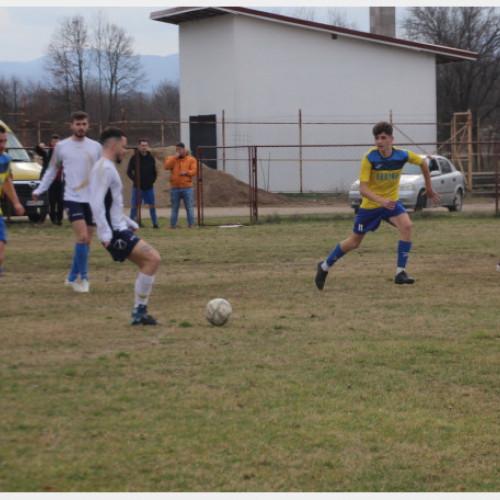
[(183, 168)]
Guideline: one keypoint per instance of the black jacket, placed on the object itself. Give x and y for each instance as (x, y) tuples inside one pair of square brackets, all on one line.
[(147, 172)]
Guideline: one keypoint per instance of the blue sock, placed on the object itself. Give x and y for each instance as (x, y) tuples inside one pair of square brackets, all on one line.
[(152, 212), (133, 213), (81, 255), (1, 271), (335, 255), (73, 274), (403, 252)]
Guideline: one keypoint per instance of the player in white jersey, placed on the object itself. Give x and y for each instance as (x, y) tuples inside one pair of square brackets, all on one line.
[(114, 229), (77, 154)]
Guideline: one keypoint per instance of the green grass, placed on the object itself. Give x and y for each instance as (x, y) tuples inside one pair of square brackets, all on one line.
[(366, 386)]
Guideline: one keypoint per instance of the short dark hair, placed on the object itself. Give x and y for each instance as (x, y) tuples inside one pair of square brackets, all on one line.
[(180, 145), (382, 128), (3, 130), (55, 136), (79, 115), (142, 140), (111, 133)]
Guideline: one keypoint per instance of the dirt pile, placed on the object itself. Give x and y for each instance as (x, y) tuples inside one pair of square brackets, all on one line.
[(219, 189)]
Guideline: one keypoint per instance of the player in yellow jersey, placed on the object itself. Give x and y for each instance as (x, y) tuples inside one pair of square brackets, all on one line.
[(379, 186), (6, 186)]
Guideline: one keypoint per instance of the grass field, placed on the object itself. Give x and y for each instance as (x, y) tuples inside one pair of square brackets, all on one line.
[(366, 386)]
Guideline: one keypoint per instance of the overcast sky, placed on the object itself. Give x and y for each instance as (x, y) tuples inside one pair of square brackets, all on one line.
[(26, 29)]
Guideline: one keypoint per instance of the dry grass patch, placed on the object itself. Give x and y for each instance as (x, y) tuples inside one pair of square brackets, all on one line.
[(365, 386)]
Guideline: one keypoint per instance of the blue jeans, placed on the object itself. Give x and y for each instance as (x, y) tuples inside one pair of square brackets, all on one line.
[(186, 194)]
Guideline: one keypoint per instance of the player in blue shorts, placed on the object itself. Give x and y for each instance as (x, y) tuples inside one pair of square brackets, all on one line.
[(379, 187), (7, 187), (77, 154), (114, 229)]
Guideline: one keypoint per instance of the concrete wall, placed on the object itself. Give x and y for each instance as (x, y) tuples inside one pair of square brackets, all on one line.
[(258, 70)]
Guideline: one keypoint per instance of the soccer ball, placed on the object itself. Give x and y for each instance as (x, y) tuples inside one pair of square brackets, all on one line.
[(218, 311)]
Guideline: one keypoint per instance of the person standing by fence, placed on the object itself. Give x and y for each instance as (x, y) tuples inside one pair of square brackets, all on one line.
[(143, 190), (56, 189), (183, 168)]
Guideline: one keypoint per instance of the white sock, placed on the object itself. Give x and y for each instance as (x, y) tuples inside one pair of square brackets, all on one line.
[(143, 287), (400, 270), (325, 266)]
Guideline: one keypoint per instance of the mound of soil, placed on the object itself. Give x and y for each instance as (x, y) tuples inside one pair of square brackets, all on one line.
[(219, 189)]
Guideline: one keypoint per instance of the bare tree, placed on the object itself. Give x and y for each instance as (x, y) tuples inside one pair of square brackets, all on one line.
[(339, 18), (121, 68), (165, 104), (99, 47), (69, 60), (464, 85)]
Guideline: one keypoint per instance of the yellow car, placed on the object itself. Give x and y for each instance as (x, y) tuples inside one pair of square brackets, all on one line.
[(26, 177)]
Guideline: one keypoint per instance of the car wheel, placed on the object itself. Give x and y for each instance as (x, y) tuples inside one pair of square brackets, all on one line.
[(457, 202), (421, 200)]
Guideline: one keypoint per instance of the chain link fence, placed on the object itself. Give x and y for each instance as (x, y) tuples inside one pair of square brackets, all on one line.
[(251, 178)]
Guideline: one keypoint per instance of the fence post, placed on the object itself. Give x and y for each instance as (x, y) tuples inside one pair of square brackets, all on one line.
[(224, 140), (23, 110), (496, 178), (300, 151), (137, 182), (252, 183), (199, 188)]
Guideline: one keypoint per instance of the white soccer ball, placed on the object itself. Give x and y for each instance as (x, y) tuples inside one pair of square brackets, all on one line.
[(218, 311)]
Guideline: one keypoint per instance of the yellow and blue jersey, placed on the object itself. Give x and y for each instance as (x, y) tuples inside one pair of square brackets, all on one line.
[(4, 171), (383, 174)]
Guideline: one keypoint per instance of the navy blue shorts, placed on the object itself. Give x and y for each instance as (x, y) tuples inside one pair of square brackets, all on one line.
[(3, 233), (79, 211), (122, 244), (369, 219)]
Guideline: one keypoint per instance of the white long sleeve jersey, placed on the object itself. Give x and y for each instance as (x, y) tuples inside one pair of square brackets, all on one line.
[(77, 159), (104, 177)]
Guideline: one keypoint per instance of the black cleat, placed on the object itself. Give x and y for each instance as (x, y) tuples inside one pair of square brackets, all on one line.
[(403, 279), (140, 316), (320, 276)]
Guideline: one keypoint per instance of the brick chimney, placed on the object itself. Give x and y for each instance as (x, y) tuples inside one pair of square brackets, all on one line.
[(383, 21)]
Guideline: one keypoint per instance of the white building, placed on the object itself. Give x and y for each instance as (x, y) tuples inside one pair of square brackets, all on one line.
[(243, 65)]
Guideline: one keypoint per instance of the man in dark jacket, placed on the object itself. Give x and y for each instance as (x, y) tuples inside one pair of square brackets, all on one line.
[(56, 189), (146, 178)]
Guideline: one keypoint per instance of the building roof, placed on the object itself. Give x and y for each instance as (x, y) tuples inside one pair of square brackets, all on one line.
[(181, 15)]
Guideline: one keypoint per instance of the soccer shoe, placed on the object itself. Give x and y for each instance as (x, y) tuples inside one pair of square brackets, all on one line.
[(320, 276), (140, 316), (72, 284), (155, 226), (79, 287), (403, 279)]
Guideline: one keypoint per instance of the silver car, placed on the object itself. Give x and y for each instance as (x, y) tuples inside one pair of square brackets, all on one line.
[(446, 180)]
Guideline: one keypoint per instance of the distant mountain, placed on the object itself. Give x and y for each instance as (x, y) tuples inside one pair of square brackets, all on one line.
[(157, 69)]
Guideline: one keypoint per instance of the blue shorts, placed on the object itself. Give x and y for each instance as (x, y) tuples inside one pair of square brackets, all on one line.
[(369, 219), (79, 211), (147, 196), (122, 243), (3, 233)]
